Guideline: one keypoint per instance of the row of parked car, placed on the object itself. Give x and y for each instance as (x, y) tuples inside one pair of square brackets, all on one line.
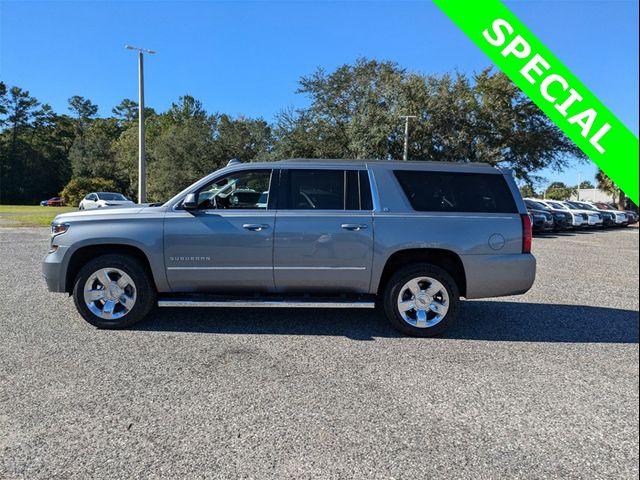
[(546, 215), (53, 202), (555, 215), (92, 200)]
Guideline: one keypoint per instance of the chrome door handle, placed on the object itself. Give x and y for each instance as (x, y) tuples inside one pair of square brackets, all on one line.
[(354, 226), (255, 227)]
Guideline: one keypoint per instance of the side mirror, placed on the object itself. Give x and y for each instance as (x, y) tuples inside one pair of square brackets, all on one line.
[(190, 202)]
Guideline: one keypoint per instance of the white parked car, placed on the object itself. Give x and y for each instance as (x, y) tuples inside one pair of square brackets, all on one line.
[(595, 218), (577, 219), (104, 199), (591, 219), (617, 217)]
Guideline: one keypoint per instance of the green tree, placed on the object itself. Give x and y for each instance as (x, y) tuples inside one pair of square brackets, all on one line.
[(586, 184), (99, 140), (79, 187), (354, 113), (559, 191), (354, 110), (607, 185), (83, 111), (293, 136), (15, 151), (126, 110), (3, 102), (51, 138), (181, 150), (243, 138), (527, 191)]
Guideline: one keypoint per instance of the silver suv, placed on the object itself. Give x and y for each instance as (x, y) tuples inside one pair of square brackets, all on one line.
[(415, 236)]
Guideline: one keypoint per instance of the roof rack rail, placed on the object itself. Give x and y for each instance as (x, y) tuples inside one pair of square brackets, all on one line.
[(233, 161)]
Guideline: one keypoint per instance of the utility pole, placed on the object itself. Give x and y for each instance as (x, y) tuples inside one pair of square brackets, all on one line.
[(406, 118), (142, 165), (579, 182)]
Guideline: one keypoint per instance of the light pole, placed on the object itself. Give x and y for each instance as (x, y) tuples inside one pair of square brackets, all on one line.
[(142, 166), (406, 135)]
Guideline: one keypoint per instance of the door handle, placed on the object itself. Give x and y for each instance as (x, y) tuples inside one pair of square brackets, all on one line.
[(255, 227), (354, 226)]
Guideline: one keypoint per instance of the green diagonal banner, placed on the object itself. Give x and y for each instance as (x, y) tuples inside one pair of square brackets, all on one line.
[(558, 93)]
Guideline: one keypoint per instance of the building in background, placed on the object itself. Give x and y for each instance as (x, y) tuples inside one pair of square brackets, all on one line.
[(592, 195)]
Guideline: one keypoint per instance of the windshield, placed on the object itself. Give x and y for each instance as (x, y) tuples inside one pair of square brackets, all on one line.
[(558, 205), (111, 196), (573, 207), (583, 206), (538, 205)]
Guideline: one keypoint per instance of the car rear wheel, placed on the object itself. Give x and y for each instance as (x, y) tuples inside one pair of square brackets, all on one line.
[(421, 300), (113, 291)]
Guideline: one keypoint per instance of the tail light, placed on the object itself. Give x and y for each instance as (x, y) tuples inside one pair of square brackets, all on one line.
[(527, 234)]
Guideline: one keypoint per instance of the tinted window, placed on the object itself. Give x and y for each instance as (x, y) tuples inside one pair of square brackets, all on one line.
[(353, 190), (247, 189), (539, 206), (328, 190), (365, 191), (456, 192), (560, 206), (111, 196), (316, 189)]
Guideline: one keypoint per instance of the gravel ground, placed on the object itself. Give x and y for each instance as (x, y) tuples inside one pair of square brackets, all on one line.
[(543, 385)]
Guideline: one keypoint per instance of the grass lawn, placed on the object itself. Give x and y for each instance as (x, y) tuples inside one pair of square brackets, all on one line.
[(29, 215)]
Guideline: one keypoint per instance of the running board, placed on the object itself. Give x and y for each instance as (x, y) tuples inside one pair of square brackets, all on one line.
[(266, 303)]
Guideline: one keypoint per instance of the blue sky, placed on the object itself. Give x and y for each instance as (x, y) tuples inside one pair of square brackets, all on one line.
[(246, 57)]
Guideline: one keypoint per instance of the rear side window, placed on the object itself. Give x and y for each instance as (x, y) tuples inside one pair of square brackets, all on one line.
[(328, 190), (316, 189), (456, 192)]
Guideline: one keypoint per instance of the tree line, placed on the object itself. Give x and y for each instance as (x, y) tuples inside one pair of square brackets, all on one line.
[(353, 112)]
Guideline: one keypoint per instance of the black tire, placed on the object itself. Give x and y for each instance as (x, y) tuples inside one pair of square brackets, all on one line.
[(145, 292), (393, 291)]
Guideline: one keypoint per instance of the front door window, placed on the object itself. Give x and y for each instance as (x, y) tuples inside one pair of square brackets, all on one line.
[(240, 190)]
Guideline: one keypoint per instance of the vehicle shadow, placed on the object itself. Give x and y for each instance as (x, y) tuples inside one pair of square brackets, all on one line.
[(543, 322), (477, 320), (552, 235)]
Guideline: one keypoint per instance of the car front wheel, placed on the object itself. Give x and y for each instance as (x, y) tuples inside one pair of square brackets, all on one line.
[(421, 300), (113, 291)]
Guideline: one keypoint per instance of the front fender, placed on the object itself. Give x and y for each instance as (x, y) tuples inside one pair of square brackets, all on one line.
[(139, 231)]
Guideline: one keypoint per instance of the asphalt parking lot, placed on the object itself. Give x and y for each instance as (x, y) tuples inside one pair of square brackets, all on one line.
[(543, 385)]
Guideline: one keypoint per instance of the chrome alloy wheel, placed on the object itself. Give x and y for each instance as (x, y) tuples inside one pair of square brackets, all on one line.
[(109, 293), (423, 302)]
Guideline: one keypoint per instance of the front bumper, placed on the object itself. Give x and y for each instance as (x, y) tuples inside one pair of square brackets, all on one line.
[(561, 222), (54, 270), (542, 225)]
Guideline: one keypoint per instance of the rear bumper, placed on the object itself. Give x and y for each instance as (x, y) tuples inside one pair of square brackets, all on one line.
[(498, 275)]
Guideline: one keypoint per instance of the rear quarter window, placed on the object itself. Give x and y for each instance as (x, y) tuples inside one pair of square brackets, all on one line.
[(456, 192)]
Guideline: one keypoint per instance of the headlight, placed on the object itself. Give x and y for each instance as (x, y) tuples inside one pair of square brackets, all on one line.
[(59, 228)]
